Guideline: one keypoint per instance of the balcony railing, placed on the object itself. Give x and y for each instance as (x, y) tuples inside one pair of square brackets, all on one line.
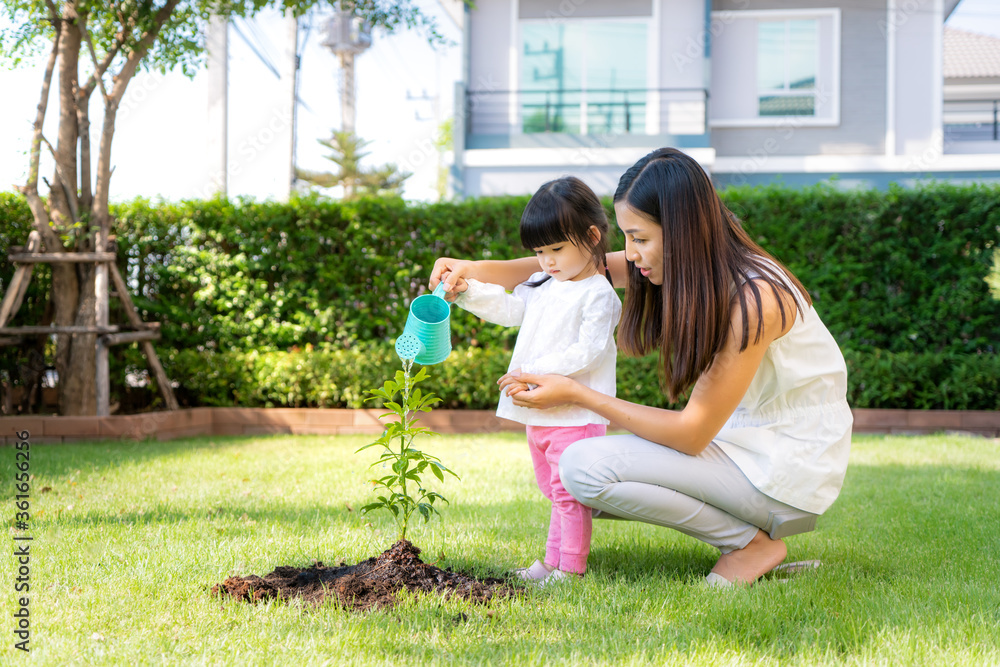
[(971, 120), (677, 111)]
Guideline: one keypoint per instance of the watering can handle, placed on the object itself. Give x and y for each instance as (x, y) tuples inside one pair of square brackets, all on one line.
[(439, 291)]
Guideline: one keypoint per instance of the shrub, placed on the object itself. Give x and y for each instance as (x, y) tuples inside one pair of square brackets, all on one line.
[(328, 378), (265, 303)]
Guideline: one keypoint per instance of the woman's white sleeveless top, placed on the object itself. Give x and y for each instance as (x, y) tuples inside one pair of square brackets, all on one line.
[(791, 433)]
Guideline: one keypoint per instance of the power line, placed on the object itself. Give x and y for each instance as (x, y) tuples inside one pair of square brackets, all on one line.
[(263, 59)]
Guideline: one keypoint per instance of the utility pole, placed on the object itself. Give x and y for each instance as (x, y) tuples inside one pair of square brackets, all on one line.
[(291, 76), (218, 112), (347, 36)]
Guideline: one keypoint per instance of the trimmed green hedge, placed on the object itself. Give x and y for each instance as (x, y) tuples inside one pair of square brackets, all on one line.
[(338, 378), (902, 270), (244, 290), (923, 381), (330, 378)]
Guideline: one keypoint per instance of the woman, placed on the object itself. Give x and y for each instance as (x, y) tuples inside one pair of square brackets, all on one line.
[(760, 448)]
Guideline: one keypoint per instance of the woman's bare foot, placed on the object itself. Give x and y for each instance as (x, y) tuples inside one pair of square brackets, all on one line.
[(755, 559)]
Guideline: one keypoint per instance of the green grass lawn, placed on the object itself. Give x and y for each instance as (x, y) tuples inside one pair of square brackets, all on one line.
[(130, 537)]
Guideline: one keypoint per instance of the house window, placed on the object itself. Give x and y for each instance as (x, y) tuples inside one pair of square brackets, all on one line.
[(583, 77), (787, 62), (774, 67)]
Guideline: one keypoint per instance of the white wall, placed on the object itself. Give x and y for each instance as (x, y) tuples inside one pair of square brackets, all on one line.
[(918, 81)]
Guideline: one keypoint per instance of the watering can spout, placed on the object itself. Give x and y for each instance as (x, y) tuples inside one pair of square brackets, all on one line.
[(408, 346), (426, 338)]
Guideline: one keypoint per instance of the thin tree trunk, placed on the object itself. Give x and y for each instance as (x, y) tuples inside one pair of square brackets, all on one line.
[(78, 395), (66, 146), (71, 199), (74, 352)]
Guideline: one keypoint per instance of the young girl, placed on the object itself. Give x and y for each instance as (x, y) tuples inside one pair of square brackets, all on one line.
[(760, 448), (567, 313)]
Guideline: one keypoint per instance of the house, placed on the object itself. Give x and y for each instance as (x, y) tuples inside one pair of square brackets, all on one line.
[(793, 91), (971, 92)]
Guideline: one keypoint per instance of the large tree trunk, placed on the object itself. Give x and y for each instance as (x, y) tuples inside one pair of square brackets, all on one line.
[(77, 394), (72, 287)]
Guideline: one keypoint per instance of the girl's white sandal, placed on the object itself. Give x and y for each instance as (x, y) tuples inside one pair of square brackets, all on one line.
[(534, 572), (557, 577)]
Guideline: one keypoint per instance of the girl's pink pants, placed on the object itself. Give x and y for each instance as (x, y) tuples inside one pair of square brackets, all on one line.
[(568, 544)]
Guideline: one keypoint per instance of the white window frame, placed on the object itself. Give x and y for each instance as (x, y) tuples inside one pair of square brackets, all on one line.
[(652, 69), (833, 118)]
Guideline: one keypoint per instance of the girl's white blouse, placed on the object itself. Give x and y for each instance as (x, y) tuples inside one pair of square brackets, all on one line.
[(567, 328)]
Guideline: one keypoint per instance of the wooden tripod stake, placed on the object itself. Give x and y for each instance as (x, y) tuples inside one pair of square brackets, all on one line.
[(107, 334)]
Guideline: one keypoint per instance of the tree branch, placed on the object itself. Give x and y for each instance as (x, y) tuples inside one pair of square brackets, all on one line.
[(83, 117), (67, 142), (121, 81), (43, 104), (53, 11), (30, 189), (70, 197), (141, 49), (99, 68)]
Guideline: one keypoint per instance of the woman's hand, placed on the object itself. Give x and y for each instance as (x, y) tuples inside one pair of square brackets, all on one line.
[(549, 390)]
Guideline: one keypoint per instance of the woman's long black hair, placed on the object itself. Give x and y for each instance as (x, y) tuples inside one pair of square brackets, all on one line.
[(706, 255)]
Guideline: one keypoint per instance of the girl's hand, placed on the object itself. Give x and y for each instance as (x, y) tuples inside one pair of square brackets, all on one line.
[(452, 272), (510, 385), (549, 391)]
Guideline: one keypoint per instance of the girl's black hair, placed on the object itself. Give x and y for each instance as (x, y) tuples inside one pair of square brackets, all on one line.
[(563, 211)]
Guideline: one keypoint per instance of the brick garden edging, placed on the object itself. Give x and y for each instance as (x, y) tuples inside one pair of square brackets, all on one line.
[(312, 421)]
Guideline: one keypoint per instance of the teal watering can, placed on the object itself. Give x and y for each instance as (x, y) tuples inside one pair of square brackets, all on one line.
[(426, 338)]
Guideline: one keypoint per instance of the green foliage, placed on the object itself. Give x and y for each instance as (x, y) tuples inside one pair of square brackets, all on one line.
[(270, 276), (406, 463), (337, 378), (15, 225), (993, 279), (899, 271), (923, 381), (180, 43), (325, 377), (297, 304)]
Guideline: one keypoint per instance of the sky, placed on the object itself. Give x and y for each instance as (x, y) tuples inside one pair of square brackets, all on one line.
[(982, 16), (404, 91)]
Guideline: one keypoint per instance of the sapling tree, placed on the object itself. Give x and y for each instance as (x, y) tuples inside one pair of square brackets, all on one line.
[(347, 151), (401, 491), (993, 277)]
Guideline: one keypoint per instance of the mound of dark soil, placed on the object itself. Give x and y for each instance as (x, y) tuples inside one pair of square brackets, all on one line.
[(371, 584)]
